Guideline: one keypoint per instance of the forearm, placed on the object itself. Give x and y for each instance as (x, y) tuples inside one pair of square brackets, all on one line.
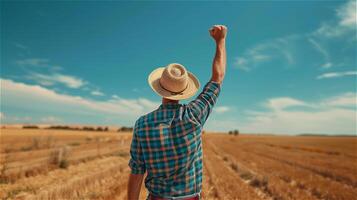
[(134, 186), (219, 62)]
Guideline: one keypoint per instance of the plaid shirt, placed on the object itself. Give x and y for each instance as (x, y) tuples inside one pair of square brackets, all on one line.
[(167, 144)]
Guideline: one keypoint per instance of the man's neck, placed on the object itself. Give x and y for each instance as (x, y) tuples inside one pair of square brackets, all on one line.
[(166, 101)]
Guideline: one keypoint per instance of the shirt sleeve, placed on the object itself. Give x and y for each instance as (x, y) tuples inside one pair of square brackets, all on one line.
[(202, 106), (136, 162)]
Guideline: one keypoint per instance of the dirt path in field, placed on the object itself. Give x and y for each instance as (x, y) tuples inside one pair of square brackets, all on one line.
[(270, 187), (227, 183), (287, 180)]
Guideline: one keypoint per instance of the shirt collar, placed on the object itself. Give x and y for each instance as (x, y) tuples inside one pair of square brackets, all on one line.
[(170, 105)]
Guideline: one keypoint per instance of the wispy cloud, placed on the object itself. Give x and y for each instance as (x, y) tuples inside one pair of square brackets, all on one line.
[(41, 62), (241, 63), (2, 116), (275, 49), (57, 78), (38, 62), (47, 74), (347, 14), (286, 48), (344, 24), (221, 109), (21, 46), (323, 51), (336, 74), (136, 90), (97, 93), (10, 119), (50, 120)]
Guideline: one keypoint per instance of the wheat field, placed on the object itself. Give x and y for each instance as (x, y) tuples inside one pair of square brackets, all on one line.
[(65, 164)]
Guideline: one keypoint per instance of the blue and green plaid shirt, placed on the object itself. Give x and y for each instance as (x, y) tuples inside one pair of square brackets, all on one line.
[(167, 145)]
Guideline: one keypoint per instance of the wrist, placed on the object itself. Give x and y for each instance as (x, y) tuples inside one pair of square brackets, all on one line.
[(221, 42)]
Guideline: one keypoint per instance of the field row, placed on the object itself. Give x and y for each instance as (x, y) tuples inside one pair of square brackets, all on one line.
[(278, 174), (97, 179)]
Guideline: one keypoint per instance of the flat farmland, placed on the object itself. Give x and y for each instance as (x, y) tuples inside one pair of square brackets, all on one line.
[(61, 164)]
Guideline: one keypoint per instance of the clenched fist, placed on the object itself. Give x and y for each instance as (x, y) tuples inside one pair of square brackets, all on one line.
[(218, 32)]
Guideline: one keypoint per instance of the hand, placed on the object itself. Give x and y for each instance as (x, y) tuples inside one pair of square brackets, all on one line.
[(218, 32)]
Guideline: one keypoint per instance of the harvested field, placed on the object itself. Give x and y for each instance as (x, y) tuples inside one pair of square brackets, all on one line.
[(58, 164)]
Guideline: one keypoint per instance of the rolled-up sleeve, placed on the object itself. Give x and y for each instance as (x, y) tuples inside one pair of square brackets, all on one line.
[(136, 162), (202, 106)]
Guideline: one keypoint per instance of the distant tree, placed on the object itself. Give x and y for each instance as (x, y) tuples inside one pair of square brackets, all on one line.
[(230, 132), (236, 132), (86, 128), (60, 127), (125, 129), (30, 127), (106, 129), (99, 128)]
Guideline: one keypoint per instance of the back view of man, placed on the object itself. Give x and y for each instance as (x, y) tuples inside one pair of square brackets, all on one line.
[(167, 142)]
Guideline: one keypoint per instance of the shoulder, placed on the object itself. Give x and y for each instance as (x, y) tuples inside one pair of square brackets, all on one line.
[(143, 120)]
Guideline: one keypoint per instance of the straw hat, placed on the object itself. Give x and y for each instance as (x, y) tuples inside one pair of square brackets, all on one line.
[(173, 82)]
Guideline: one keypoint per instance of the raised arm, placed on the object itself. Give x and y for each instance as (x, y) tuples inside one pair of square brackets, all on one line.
[(218, 33)]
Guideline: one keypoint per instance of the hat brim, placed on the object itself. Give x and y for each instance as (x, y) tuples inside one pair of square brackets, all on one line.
[(154, 82)]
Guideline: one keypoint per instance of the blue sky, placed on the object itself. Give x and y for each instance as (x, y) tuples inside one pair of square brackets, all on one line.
[(291, 65)]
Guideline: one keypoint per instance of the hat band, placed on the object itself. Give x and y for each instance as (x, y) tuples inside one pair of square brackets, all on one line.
[(174, 93)]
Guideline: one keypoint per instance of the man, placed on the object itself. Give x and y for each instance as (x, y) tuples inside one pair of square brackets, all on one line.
[(167, 142)]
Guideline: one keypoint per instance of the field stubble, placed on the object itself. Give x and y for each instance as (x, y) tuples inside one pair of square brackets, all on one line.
[(50, 164)]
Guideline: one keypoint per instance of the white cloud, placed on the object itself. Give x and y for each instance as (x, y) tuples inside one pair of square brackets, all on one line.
[(333, 115), (50, 120), (97, 93), (332, 121), (345, 22), (2, 115), (147, 103), (17, 119), (21, 46), (283, 102), (136, 90), (336, 74), (241, 63), (327, 116), (37, 62), (48, 80), (221, 109), (347, 14), (345, 100), (326, 65), (18, 95)]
